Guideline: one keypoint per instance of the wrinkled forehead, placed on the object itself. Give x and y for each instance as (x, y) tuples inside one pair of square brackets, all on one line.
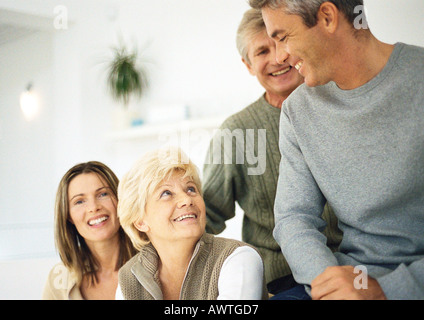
[(174, 176), (177, 176), (258, 40)]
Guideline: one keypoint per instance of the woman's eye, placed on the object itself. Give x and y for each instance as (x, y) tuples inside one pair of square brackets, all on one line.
[(78, 202), (191, 189), (104, 194), (165, 193)]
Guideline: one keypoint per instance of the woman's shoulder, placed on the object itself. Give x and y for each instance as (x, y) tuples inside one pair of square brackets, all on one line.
[(246, 254), (247, 264), (58, 272), (60, 284), (232, 246), (226, 241), (126, 268)]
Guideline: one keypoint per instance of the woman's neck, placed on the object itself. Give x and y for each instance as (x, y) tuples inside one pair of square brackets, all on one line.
[(174, 260), (175, 254), (106, 253)]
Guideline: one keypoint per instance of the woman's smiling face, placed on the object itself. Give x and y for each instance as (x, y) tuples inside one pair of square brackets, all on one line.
[(174, 211), (92, 207)]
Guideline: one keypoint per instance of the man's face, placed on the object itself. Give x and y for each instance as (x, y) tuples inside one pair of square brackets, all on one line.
[(307, 47), (279, 80)]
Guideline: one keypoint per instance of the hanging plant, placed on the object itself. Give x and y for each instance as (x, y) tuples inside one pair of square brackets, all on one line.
[(125, 79)]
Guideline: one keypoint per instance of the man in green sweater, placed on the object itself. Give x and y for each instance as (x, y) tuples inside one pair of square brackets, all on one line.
[(253, 185)]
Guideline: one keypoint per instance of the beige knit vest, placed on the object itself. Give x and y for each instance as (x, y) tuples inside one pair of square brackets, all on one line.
[(139, 281)]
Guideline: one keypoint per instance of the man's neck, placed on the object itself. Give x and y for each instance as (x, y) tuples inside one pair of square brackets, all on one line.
[(274, 100), (361, 61)]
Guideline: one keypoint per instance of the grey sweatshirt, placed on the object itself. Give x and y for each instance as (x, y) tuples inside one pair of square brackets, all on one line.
[(362, 150), (224, 184)]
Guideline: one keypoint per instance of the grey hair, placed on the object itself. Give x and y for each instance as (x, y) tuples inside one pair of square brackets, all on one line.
[(251, 24), (308, 9)]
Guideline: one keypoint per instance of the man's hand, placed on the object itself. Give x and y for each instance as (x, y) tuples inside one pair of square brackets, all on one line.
[(338, 283)]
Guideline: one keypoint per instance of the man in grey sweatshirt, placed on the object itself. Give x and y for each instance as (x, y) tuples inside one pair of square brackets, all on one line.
[(253, 187), (352, 136)]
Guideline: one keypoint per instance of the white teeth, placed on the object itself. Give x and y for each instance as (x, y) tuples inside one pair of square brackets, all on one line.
[(97, 221), (298, 65), (281, 72), (186, 216)]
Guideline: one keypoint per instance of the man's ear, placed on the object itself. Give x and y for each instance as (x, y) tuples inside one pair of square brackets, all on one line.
[(249, 67), (140, 225), (328, 16)]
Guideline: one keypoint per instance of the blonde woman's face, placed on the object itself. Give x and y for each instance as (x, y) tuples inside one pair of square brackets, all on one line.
[(92, 208), (174, 211)]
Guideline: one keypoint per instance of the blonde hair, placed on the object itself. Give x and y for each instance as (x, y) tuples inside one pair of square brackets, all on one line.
[(72, 248), (142, 179)]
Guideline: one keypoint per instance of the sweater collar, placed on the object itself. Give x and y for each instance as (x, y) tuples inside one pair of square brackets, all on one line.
[(146, 268)]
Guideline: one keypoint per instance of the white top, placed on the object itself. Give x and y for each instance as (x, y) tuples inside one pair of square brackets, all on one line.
[(240, 278)]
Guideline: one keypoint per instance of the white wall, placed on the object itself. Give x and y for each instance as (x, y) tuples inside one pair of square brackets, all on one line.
[(192, 60), (26, 148), (394, 21)]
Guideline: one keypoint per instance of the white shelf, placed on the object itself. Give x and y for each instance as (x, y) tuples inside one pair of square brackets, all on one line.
[(150, 130)]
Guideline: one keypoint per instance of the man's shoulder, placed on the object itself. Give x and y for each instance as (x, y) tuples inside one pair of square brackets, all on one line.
[(302, 95), (249, 116), (411, 49), (411, 56)]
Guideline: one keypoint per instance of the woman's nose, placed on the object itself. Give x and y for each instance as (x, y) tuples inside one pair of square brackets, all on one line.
[(93, 205), (184, 200)]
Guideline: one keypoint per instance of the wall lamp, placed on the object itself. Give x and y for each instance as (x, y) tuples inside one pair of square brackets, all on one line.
[(29, 103)]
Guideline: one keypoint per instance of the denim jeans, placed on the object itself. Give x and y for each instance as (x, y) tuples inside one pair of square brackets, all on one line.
[(296, 293)]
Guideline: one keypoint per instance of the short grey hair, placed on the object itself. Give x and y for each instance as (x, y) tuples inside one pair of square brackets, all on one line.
[(308, 9), (251, 24)]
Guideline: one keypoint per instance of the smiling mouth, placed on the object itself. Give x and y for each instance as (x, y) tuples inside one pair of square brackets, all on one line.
[(278, 73), (95, 222), (298, 65), (185, 216)]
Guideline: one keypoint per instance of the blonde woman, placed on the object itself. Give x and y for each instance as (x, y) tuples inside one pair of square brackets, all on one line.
[(90, 241), (162, 210)]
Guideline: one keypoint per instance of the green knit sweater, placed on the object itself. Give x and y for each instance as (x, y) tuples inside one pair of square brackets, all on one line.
[(225, 184)]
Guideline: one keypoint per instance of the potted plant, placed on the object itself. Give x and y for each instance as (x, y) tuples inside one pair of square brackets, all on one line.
[(125, 80)]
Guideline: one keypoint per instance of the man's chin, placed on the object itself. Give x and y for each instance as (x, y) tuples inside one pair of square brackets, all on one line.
[(311, 82)]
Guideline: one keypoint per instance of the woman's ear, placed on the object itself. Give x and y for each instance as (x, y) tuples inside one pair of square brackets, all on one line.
[(140, 225)]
